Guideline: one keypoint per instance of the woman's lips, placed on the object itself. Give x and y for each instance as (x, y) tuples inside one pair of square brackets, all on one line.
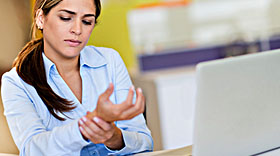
[(73, 43)]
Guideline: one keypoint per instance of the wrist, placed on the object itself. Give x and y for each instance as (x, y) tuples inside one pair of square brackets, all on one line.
[(116, 142), (91, 115)]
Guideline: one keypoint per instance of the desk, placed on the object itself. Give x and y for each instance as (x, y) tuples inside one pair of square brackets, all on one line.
[(184, 151)]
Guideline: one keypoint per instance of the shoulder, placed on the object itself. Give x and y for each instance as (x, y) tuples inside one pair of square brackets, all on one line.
[(10, 80), (101, 55), (102, 51), (11, 75)]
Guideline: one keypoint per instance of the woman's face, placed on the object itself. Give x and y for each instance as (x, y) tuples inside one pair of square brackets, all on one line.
[(67, 28)]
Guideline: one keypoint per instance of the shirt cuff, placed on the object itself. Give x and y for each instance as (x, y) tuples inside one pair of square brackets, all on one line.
[(79, 134), (130, 141)]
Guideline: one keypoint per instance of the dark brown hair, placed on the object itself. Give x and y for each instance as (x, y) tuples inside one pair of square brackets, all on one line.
[(30, 66)]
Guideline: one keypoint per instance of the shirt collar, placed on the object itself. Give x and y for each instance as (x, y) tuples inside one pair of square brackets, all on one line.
[(91, 57), (49, 65)]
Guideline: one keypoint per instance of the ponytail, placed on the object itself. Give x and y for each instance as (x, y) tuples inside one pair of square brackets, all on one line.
[(30, 67)]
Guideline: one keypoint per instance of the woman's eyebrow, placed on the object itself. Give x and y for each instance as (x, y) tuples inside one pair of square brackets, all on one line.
[(89, 15), (68, 11), (73, 13)]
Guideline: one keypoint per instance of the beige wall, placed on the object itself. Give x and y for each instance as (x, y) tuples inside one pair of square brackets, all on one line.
[(7, 144), (14, 29)]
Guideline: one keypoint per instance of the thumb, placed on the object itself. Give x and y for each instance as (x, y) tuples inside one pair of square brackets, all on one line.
[(108, 91)]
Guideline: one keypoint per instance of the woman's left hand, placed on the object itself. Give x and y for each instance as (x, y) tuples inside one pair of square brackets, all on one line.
[(99, 131), (110, 112)]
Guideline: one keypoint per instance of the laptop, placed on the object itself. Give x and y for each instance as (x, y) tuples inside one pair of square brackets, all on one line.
[(237, 108)]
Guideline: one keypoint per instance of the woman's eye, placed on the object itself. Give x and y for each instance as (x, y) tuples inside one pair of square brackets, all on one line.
[(65, 18), (87, 22)]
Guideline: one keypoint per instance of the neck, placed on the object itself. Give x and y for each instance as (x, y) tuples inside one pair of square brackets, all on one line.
[(68, 68), (65, 66)]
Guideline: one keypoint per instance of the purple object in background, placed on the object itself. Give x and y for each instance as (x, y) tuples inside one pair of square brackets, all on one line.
[(185, 57)]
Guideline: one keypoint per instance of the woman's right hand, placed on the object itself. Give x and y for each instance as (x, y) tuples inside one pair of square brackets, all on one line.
[(126, 110)]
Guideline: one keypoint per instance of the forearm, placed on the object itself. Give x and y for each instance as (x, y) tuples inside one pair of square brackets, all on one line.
[(62, 140), (116, 142)]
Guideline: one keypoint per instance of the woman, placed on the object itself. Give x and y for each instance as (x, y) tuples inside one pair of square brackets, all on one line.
[(56, 98)]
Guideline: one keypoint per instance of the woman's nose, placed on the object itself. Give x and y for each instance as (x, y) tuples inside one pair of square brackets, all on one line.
[(76, 28)]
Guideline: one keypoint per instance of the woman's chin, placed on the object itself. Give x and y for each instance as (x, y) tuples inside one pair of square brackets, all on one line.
[(71, 53)]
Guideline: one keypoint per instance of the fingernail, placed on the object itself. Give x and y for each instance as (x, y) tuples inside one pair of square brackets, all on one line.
[(140, 90), (81, 122), (96, 119), (81, 128), (84, 119), (132, 87)]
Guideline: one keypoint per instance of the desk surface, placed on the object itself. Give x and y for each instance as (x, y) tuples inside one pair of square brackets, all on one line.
[(184, 151)]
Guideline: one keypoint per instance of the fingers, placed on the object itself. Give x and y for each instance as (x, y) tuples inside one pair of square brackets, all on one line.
[(84, 133), (130, 95), (97, 130), (127, 103), (90, 127), (102, 124), (108, 91), (136, 108), (91, 131), (94, 127)]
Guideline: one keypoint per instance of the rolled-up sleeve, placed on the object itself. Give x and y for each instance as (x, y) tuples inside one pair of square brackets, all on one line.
[(28, 130)]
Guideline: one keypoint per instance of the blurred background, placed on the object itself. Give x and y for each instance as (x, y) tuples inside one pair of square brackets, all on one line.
[(160, 42)]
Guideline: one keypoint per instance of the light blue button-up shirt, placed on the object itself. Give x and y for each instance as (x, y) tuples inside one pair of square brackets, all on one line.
[(36, 132)]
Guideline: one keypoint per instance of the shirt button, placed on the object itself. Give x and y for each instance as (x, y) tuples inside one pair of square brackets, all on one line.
[(94, 153)]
